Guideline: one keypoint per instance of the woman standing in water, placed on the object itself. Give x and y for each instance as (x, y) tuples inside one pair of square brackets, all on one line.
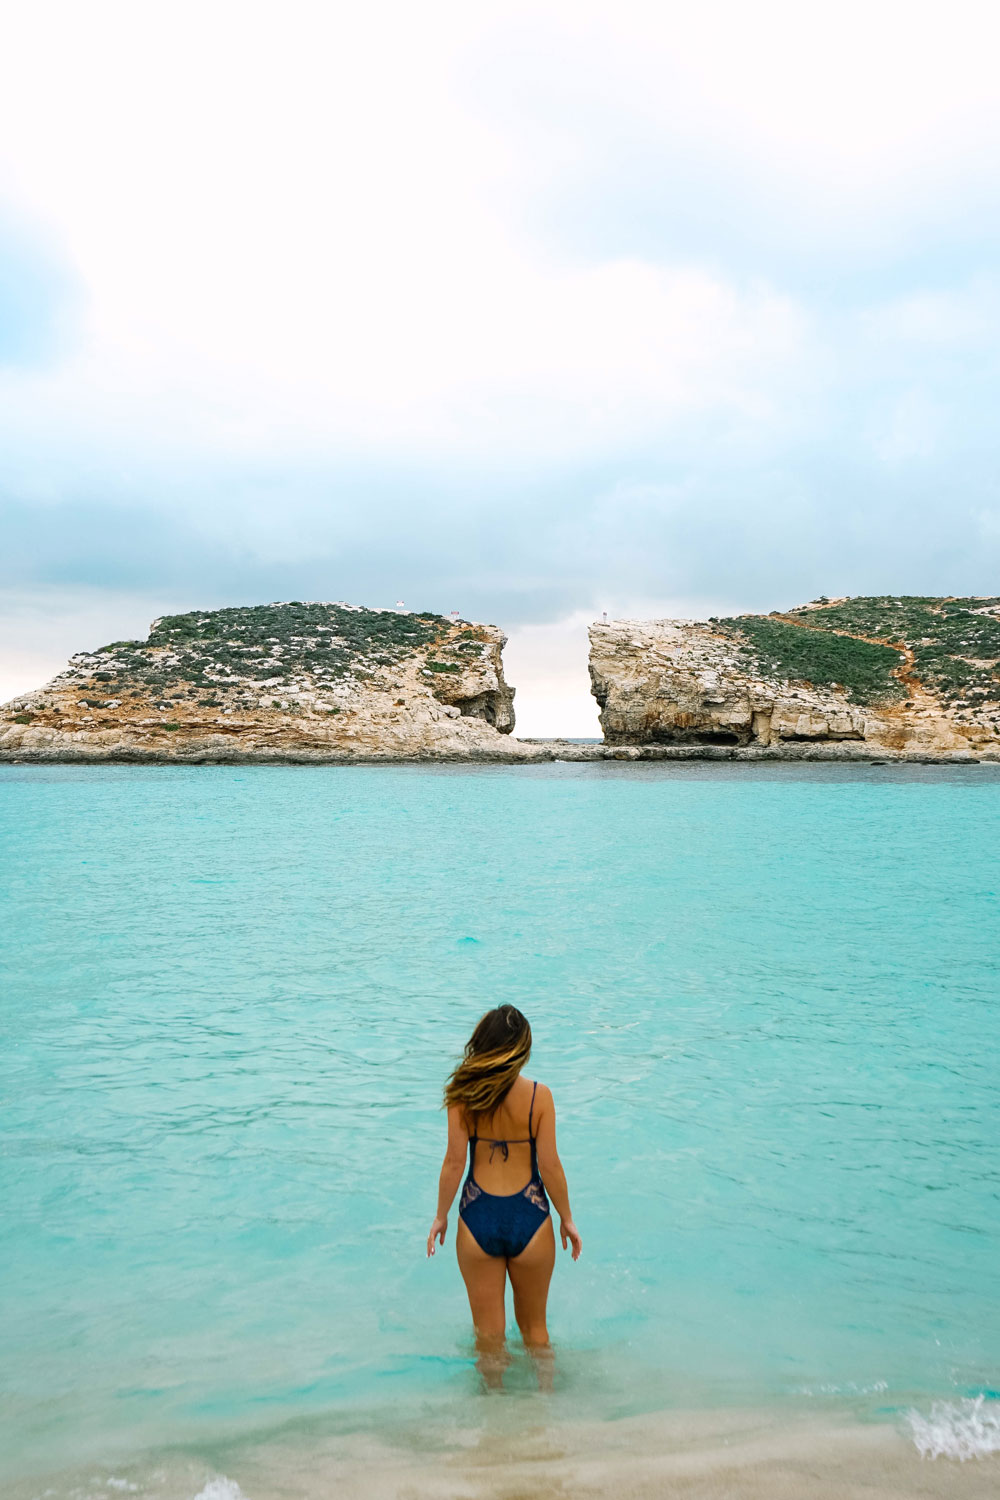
[(508, 1124)]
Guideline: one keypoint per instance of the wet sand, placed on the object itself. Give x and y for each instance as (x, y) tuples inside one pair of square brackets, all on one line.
[(753, 1455), (704, 1456)]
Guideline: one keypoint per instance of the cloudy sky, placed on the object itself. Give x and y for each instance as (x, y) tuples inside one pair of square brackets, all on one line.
[(528, 310)]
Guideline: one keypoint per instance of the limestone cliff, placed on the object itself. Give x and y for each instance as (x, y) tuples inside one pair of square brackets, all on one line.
[(901, 677), (295, 682)]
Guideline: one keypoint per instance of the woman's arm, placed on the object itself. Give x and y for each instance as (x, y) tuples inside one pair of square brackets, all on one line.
[(551, 1169), (451, 1173)]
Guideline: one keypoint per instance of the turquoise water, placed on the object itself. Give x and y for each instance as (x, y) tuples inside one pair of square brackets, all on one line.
[(766, 1000)]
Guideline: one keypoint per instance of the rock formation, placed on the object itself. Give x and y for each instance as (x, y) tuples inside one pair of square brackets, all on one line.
[(285, 682), (909, 677), (887, 678)]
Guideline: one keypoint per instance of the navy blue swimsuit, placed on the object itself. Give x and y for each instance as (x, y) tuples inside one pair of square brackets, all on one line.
[(503, 1223)]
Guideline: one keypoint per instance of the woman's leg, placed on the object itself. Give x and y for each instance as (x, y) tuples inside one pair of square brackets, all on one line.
[(485, 1278), (530, 1274)]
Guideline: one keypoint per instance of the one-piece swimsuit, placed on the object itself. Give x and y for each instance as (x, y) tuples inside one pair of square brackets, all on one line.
[(503, 1223)]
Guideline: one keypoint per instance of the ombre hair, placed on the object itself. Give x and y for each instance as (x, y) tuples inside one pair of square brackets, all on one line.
[(494, 1055)]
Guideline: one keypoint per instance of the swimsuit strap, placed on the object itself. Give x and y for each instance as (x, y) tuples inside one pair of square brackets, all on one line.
[(504, 1146), (534, 1149)]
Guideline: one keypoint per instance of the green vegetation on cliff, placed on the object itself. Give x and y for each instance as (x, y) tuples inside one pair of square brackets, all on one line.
[(796, 654), (951, 646), (363, 630), (956, 647), (272, 643)]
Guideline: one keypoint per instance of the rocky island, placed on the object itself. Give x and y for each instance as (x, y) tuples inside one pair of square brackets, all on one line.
[(873, 678), (275, 682), (889, 677)]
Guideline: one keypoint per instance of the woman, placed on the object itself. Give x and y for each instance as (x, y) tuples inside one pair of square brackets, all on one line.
[(508, 1124)]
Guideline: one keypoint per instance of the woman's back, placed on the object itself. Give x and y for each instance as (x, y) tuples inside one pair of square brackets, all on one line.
[(500, 1144)]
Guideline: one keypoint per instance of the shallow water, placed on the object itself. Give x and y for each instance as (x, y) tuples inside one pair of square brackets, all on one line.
[(765, 999)]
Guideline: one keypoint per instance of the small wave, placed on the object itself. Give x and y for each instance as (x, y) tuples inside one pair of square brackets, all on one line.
[(221, 1489), (852, 1388), (957, 1429)]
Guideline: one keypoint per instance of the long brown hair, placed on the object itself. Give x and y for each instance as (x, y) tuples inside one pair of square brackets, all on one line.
[(494, 1055)]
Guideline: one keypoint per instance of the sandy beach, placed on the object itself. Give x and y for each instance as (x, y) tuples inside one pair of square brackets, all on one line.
[(753, 1455)]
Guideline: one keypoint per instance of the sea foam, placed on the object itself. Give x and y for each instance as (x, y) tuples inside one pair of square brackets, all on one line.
[(221, 1488), (957, 1429)]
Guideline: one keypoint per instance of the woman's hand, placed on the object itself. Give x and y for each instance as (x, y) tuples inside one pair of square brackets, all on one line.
[(437, 1232), (570, 1236)]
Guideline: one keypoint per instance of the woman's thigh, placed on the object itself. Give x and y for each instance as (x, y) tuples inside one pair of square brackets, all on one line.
[(485, 1278), (530, 1274)]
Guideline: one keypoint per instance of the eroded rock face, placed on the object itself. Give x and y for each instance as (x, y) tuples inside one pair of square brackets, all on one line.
[(276, 682), (735, 682)]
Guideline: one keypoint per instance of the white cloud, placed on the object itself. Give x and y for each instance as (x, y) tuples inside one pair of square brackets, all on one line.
[(295, 225), (961, 317), (288, 230), (857, 114), (553, 362)]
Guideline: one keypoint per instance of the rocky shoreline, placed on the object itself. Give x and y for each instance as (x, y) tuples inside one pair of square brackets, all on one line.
[(519, 753), (870, 680)]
